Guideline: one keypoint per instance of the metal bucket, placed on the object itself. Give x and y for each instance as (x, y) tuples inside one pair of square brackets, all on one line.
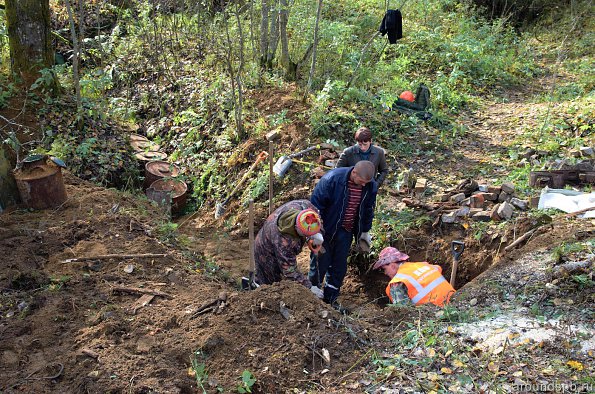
[(155, 170), (40, 183), (143, 145), (145, 157), (177, 189)]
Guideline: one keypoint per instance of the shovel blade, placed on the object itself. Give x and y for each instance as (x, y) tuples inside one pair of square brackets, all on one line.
[(281, 166), (219, 210)]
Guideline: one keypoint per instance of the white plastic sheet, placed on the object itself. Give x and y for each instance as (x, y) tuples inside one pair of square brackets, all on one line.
[(568, 201)]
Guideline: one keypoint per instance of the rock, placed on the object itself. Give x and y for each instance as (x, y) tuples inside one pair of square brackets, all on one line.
[(508, 187), (273, 135), (482, 216), (587, 151), (494, 189), (520, 204), (490, 196), (503, 196), (482, 188), (473, 302), (462, 212), (449, 218), (457, 198), (505, 210), (528, 152), (443, 197), (494, 213)]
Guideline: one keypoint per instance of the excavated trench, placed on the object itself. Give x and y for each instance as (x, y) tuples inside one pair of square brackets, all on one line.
[(430, 245)]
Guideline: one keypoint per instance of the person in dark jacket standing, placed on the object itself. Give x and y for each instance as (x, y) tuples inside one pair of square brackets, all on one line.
[(281, 239), (364, 150), (346, 198)]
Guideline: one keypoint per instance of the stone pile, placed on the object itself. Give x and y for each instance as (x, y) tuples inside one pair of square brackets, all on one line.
[(482, 202)]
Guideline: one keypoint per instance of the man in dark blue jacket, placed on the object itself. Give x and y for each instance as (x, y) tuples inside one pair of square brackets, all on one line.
[(345, 198)]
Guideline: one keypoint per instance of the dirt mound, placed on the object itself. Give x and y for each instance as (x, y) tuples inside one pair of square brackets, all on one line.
[(80, 326)]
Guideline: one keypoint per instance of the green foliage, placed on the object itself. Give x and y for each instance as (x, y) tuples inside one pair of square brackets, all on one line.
[(390, 223), (248, 380), (167, 232), (566, 251), (200, 369), (7, 89), (56, 283), (97, 157)]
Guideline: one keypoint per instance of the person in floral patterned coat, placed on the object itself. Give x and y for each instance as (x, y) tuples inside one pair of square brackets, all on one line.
[(281, 239)]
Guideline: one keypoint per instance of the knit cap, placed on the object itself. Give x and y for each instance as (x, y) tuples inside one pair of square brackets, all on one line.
[(307, 223)]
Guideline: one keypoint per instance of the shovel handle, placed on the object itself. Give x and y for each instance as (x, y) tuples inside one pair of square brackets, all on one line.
[(457, 249), (261, 156)]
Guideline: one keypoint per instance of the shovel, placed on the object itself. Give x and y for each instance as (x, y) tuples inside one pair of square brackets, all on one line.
[(220, 206), (457, 250), (249, 283), (284, 162)]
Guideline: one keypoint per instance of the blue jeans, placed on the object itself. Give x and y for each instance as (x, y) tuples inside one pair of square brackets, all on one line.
[(331, 265)]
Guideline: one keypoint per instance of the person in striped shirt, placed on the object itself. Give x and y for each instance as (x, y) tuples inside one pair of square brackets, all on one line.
[(346, 198)]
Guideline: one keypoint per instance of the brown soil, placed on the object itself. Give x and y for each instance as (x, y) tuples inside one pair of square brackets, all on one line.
[(66, 327)]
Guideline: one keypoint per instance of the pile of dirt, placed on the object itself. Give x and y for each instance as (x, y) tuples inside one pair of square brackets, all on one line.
[(76, 326)]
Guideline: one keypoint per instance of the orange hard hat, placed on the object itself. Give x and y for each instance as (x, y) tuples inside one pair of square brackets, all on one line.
[(407, 95)]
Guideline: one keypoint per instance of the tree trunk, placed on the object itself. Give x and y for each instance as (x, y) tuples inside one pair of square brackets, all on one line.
[(264, 32), (29, 37), (8, 188), (283, 17), (315, 46), (273, 38)]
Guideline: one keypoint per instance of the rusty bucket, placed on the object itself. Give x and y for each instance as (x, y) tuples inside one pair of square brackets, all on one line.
[(177, 189), (145, 157), (143, 145), (40, 183), (155, 170)]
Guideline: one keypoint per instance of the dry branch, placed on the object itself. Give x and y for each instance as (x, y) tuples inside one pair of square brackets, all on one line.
[(113, 256), (137, 290)]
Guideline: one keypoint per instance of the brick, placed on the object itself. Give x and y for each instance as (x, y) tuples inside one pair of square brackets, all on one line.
[(520, 204), (491, 196), (505, 211), (508, 187), (494, 189), (420, 185), (457, 198), (477, 200), (534, 202)]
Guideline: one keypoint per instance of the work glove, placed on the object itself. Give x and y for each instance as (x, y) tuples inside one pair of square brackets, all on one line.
[(315, 242), (365, 242), (317, 292)]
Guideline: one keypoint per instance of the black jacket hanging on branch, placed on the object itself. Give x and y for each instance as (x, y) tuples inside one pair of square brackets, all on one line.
[(393, 25)]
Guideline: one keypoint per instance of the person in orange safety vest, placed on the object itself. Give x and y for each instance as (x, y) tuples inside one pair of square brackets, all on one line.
[(416, 283)]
